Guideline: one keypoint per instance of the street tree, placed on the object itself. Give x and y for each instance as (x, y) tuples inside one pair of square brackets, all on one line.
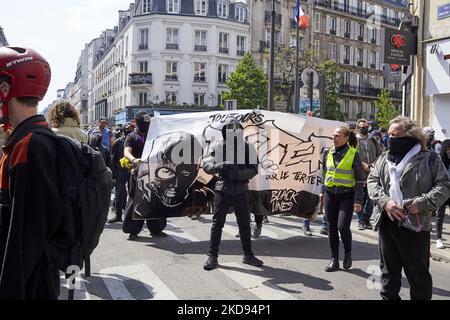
[(247, 84), (332, 74), (386, 108)]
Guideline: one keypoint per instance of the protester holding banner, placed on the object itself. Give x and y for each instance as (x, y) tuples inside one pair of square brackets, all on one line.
[(235, 162), (134, 146), (342, 193), (407, 184)]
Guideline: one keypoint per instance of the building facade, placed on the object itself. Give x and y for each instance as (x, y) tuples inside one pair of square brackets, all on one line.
[(171, 52), (428, 83), (349, 32), (3, 40)]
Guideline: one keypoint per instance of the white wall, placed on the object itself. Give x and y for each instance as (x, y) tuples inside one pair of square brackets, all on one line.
[(441, 116)]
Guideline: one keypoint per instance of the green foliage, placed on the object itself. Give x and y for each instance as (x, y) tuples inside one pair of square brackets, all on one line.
[(331, 70), (386, 109), (247, 84)]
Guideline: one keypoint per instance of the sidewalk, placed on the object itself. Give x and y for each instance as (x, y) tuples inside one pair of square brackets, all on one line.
[(436, 254)]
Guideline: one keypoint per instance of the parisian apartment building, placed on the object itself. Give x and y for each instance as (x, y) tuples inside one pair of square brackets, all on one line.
[(174, 52), (349, 32), (3, 40)]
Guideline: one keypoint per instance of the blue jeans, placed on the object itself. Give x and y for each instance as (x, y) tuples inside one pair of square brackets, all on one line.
[(366, 213), (324, 222)]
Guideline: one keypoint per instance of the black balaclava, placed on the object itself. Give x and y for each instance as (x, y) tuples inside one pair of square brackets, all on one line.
[(143, 121), (399, 146)]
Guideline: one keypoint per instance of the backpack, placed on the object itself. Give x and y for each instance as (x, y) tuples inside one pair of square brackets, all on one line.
[(85, 186)]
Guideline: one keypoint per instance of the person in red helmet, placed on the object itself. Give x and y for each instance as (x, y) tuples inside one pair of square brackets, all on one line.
[(30, 204)]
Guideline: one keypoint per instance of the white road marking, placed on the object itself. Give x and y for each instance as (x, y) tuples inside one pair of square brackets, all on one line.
[(255, 284), (114, 281), (179, 235)]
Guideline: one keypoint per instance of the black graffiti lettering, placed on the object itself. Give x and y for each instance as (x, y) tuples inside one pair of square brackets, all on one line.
[(284, 175), (307, 179), (282, 206)]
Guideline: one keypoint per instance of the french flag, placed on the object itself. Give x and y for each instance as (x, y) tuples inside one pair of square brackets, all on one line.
[(301, 18)]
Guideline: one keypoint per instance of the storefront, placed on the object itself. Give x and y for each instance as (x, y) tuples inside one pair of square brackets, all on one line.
[(437, 84)]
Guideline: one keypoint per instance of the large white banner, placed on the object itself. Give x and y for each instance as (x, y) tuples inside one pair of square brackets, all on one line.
[(289, 148)]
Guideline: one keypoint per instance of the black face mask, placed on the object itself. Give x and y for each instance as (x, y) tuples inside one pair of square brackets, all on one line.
[(364, 131), (142, 126), (401, 145)]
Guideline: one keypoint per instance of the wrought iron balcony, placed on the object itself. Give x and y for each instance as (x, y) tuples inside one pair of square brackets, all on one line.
[(172, 46), (240, 52), (200, 48), (140, 79), (224, 50), (171, 78), (199, 79), (143, 46)]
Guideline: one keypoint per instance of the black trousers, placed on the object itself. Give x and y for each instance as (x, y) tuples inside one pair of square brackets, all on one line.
[(120, 198), (339, 211), (402, 248), (222, 202), (135, 226)]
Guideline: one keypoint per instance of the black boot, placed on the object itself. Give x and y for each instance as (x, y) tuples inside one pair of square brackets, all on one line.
[(211, 263), (333, 266), (347, 261)]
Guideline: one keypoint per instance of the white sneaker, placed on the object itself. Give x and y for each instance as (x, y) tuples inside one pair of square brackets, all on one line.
[(439, 244)]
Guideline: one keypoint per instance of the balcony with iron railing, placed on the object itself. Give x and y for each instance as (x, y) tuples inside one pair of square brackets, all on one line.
[(171, 78), (368, 91), (200, 48), (263, 45), (356, 11), (199, 79), (241, 52), (224, 50), (172, 46), (268, 17), (140, 79), (143, 46)]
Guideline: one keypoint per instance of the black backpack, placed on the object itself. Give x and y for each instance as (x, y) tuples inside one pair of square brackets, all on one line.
[(85, 186)]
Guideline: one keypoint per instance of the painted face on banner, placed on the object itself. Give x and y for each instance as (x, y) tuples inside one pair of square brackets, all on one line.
[(173, 166)]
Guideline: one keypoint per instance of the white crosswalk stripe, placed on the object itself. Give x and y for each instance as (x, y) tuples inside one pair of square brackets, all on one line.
[(141, 273), (179, 234), (257, 285)]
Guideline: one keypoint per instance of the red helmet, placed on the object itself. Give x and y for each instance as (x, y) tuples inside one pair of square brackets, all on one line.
[(29, 72)]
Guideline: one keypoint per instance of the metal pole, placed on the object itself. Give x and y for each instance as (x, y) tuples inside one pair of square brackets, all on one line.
[(311, 88), (297, 80), (272, 58)]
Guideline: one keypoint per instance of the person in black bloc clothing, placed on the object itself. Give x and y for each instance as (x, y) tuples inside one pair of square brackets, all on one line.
[(231, 189), (134, 146)]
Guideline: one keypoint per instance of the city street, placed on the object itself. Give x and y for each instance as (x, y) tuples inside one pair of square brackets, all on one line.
[(172, 267)]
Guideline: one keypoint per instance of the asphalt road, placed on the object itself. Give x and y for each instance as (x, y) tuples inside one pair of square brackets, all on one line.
[(172, 268)]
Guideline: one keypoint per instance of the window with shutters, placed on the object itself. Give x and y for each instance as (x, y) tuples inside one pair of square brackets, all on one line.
[(171, 71), (347, 29), (346, 55), (200, 41), (360, 57), (199, 72), (374, 36), (373, 59), (142, 98), (222, 10), (332, 51), (201, 7), (361, 32), (240, 14), (143, 66), (172, 38), (143, 39), (222, 73), (223, 42), (146, 6), (317, 22), (199, 99), (173, 6), (171, 97), (241, 47), (333, 23)]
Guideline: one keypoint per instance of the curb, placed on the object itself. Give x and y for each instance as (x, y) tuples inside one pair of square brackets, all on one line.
[(435, 255)]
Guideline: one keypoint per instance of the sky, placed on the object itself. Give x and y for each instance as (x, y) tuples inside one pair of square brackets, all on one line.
[(58, 30)]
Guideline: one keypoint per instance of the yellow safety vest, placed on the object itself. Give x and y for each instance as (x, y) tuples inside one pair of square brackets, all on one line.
[(342, 175)]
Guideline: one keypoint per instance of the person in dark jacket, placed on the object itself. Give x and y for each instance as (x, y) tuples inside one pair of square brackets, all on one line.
[(445, 156), (134, 147), (95, 141), (342, 193), (121, 175), (235, 162), (31, 208)]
